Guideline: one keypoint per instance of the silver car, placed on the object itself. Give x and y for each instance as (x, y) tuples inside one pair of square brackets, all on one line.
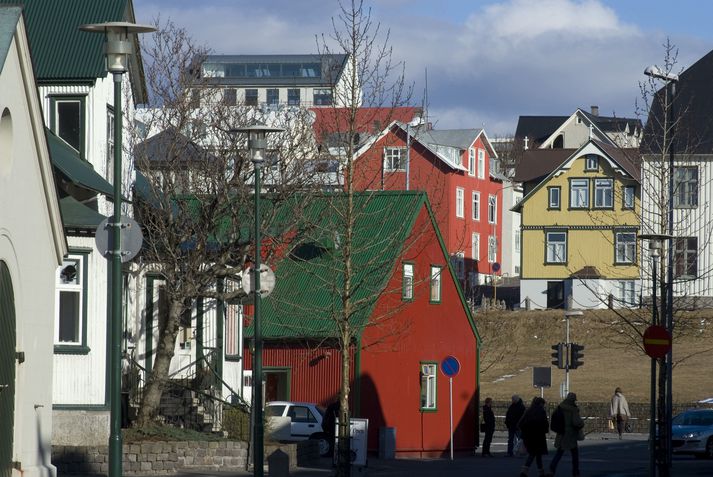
[(692, 433), (305, 421)]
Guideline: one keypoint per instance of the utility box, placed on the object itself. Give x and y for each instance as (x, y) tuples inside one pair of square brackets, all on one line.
[(387, 442)]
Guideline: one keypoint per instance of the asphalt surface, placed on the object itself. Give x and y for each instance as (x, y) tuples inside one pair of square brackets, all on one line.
[(601, 455)]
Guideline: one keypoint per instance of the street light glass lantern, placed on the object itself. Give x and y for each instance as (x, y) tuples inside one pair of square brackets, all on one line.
[(256, 140), (117, 46), (656, 72)]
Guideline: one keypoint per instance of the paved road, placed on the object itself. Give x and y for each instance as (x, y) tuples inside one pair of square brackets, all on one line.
[(600, 455)]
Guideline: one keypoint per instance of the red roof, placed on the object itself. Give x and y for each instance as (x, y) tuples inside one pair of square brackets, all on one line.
[(329, 121)]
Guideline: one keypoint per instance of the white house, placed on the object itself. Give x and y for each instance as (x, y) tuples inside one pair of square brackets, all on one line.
[(32, 245)]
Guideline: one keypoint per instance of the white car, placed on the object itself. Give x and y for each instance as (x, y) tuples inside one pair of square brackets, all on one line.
[(306, 421)]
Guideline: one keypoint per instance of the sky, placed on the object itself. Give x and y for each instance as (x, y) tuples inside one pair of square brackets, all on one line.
[(485, 62)]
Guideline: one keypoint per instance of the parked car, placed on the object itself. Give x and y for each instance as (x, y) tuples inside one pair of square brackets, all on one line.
[(692, 433), (306, 421)]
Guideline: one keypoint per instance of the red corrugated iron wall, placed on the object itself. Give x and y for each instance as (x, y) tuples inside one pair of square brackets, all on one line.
[(315, 370)]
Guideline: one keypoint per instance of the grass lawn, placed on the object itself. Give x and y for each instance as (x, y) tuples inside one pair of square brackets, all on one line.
[(515, 342)]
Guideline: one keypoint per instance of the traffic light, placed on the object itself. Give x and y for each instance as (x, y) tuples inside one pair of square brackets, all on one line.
[(576, 356), (558, 357)]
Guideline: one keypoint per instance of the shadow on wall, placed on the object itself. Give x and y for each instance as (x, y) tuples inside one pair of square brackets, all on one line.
[(466, 431), (371, 409)]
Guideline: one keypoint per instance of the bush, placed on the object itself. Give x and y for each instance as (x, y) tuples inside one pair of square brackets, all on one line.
[(162, 432), (236, 422)]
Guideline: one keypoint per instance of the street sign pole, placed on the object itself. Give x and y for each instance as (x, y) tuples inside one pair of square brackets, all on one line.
[(450, 366), (450, 396)]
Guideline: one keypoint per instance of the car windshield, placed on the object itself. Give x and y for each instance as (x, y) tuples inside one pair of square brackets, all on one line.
[(274, 411), (699, 418)]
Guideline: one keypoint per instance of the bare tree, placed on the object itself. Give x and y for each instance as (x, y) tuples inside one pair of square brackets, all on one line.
[(195, 204)]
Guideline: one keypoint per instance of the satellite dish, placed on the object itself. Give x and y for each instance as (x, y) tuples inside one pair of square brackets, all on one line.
[(267, 280)]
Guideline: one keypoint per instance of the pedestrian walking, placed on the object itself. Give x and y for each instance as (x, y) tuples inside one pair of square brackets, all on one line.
[(488, 426), (619, 410), (512, 417), (569, 426), (534, 427)]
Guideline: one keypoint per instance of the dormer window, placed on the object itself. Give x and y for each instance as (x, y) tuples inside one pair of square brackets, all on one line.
[(591, 163)]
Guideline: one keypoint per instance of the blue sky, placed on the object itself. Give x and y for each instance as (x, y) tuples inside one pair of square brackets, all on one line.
[(488, 61)]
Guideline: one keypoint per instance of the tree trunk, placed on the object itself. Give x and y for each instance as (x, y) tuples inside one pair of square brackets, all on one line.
[(156, 381), (343, 449)]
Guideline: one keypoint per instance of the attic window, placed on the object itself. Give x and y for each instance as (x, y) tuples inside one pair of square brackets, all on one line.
[(591, 163), (558, 143)]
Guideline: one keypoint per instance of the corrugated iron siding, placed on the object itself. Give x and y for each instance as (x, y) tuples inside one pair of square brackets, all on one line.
[(59, 49), (315, 373)]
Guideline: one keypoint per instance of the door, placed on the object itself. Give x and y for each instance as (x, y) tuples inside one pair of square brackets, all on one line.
[(555, 294), (7, 370), (304, 422), (277, 384)]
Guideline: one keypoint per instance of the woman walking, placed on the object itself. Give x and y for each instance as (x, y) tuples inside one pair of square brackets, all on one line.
[(534, 427), (619, 410)]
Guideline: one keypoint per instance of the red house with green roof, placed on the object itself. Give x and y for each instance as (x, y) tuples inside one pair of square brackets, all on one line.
[(409, 315)]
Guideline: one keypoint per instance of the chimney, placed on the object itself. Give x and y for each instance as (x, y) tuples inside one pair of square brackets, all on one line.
[(595, 110)]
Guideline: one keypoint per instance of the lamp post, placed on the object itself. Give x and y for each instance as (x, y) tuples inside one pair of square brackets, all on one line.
[(671, 80), (117, 48), (567, 315), (257, 145), (655, 243)]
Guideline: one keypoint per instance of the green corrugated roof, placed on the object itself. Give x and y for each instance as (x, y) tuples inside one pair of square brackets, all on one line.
[(59, 50), (76, 215), (309, 282)]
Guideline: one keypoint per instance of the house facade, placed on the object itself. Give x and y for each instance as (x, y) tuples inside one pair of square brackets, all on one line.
[(456, 169), (30, 252), (580, 219), (76, 95), (411, 315)]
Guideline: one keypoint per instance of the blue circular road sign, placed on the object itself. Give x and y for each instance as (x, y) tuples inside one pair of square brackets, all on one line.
[(496, 267), (450, 366)]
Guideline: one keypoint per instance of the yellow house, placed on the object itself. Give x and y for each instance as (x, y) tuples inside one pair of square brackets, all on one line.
[(580, 218)]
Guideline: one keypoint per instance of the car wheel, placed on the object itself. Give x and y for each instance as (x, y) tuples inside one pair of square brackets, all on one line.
[(322, 443), (709, 448)]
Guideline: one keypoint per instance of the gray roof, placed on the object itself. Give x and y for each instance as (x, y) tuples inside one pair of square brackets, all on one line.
[(460, 138), (9, 17)]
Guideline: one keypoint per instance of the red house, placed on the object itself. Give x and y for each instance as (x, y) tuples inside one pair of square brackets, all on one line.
[(455, 168), (409, 315)]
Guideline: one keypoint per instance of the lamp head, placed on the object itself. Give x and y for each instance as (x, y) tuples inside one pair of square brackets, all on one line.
[(256, 139), (656, 72), (117, 45)]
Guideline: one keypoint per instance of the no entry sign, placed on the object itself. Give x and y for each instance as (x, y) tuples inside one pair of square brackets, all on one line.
[(657, 341)]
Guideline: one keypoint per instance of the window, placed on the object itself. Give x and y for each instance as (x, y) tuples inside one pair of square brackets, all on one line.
[(685, 257), (517, 241), (475, 246), (233, 315), (492, 249), (579, 193), (230, 96), (435, 284), (625, 244), (251, 97), (627, 292), (458, 262), (301, 414), (394, 159), (603, 193), (71, 302), (322, 97), (556, 247), (481, 164), (476, 205), (628, 197), (471, 161), (293, 97), (554, 194), (492, 209), (273, 96), (685, 187), (428, 386), (110, 145), (459, 202), (591, 163), (67, 120), (407, 285)]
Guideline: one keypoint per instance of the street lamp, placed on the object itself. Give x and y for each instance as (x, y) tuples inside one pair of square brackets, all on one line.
[(671, 80), (567, 315), (655, 243), (257, 145), (117, 49)]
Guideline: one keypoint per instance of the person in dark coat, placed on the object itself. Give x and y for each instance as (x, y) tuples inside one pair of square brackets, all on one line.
[(573, 432), (534, 427), (512, 417), (488, 426)]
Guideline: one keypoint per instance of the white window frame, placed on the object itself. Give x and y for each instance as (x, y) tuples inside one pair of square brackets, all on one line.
[(481, 164), (476, 205), (517, 240), (435, 285), (79, 287), (392, 154), (492, 249), (555, 250), (475, 245), (492, 209), (625, 250), (629, 197), (471, 161), (627, 293), (429, 382), (552, 203), (460, 202), (407, 285), (458, 260), (577, 200), (686, 184), (603, 193), (591, 163)]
